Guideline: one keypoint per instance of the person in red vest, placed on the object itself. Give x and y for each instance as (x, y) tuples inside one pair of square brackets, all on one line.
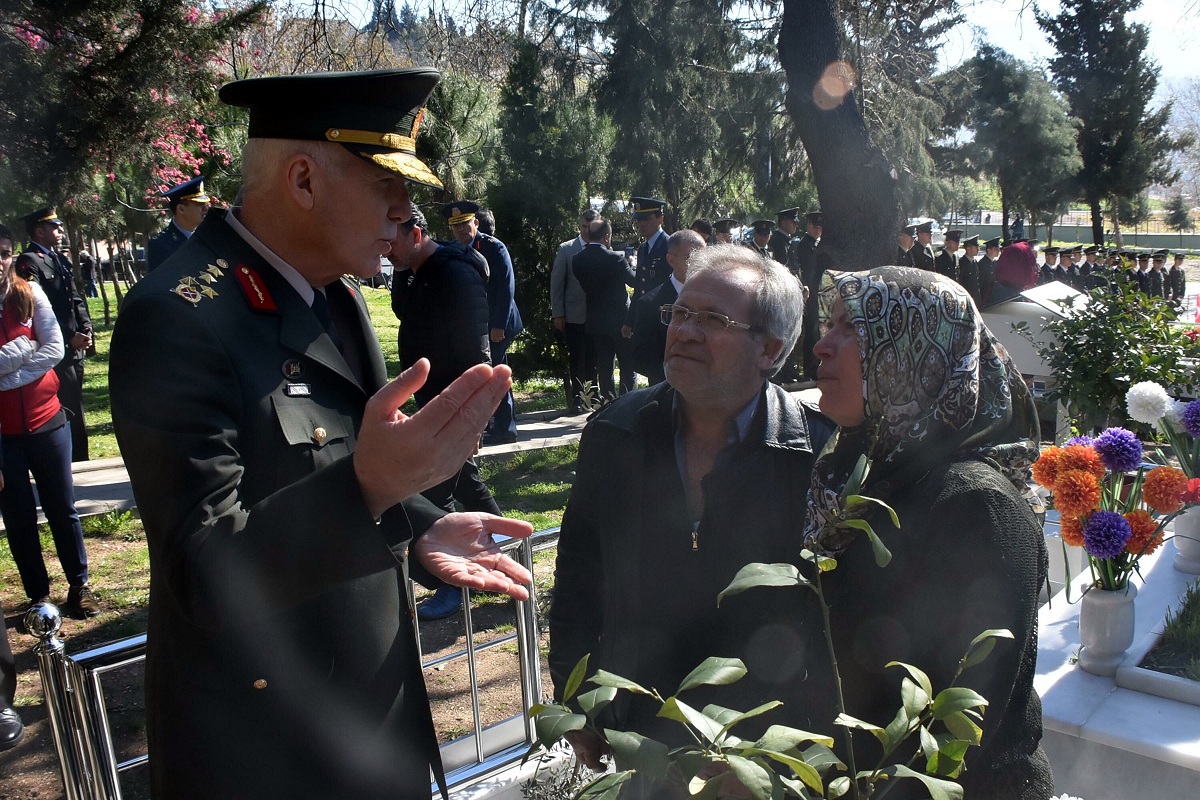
[(36, 440)]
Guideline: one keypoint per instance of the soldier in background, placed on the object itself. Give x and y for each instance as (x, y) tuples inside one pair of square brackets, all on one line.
[(1062, 271), (43, 264), (905, 241), (187, 206), (921, 254), (987, 271), (1157, 276), (760, 241), (1142, 276), (946, 262), (703, 227), (808, 264), (652, 268), (786, 225), (723, 230), (968, 270), (1049, 262), (1177, 281)]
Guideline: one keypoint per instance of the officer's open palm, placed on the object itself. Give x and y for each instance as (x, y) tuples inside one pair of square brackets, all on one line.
[(398, 456), (459, 549)]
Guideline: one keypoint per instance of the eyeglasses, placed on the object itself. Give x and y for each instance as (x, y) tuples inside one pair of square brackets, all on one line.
[(709, 321)]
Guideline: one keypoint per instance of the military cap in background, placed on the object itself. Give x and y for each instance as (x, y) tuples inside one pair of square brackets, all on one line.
[(910, 230), (1077, 248), (188, 190), (1143, 256), (725, 225), (990, 243), (702, 226), (35, 218), (1092, 250), (375, 115), (924, 227), (460, 211), (646, 207), (971, 241), (1160, 255), (1050, 250), (788, 213), (955, 236), (1180, 255), (763, 225), (813, 218)]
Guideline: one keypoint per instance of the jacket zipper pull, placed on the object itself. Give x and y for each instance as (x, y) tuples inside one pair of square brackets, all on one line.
[(696, 537)]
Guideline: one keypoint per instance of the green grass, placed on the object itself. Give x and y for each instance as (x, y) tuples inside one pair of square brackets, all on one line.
[(532, 485), (1178, 651)]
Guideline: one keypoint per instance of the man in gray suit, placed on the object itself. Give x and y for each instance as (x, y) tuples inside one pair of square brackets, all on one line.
[(568, 312)]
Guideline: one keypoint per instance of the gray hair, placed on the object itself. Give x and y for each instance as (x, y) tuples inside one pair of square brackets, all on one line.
[(777, 307), (262, 158), (683, 237)]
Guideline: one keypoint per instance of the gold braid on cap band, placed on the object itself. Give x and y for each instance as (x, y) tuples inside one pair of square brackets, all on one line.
[(392, 141), (458, 219)]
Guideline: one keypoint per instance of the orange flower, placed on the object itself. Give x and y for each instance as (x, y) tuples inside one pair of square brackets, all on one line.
[(1145, 533), (1076, 493), (1045, 468), (1083, 457), (1071, 530), (1164, 488)]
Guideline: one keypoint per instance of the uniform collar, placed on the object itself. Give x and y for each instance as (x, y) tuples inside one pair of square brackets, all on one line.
[(286, 270)]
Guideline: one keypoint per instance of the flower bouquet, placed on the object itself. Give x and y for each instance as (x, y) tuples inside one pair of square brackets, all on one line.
[(1109, 504)]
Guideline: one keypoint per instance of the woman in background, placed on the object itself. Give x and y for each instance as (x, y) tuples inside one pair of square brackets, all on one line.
[(36, 439)]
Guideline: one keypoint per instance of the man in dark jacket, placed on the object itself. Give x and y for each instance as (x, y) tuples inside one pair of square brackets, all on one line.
[(277, 478), (691, 479), (787, 222), (946, 262), (187, 204), (809, 263), (921, 255), (42, 263), (504, 317), (649, 342), (604, 274), (651, 269)]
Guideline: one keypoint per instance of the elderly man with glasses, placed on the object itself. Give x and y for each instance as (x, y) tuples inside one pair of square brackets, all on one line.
[(677, 487)]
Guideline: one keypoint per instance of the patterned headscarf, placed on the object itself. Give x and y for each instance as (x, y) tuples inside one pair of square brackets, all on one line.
[(936, 386)]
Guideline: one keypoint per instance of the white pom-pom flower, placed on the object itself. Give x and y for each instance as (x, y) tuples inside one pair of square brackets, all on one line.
[(1147, 402)]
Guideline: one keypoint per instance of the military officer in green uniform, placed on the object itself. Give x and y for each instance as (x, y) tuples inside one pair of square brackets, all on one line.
[(187, 203), (278, 480)]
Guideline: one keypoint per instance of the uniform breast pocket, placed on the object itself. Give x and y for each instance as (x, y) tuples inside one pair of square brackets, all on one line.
[(317, 436)]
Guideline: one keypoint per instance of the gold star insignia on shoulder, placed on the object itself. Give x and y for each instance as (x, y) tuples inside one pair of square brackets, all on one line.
[(214, 271), (207, 277), (222, 263), (193, 291), (207, 291)]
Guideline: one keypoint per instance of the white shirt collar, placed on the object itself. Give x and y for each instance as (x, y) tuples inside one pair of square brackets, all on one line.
[(676, 283), (178, 227), (289, 273)]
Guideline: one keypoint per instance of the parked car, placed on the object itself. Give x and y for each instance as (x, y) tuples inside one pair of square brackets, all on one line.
[(383, 278)]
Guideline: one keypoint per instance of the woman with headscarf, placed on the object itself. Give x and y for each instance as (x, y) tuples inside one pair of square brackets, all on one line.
[(915, 381)]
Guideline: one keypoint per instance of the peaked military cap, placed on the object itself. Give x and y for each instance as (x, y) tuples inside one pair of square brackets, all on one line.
[(1143, 256), (646, 207), (909, 230), (47, 214), (924, 227), (954, 236), (1092, 250), (725, 225), (1160, 255), (788, 213), (813, 218), (1077, 248), (188, 190), (990, 243), (971, 241), (375, 115), (460, 211), (1180, 255), (762, 225), (1050, 250)]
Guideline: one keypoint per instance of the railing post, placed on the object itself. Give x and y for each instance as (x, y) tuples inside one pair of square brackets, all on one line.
[(43, 620)]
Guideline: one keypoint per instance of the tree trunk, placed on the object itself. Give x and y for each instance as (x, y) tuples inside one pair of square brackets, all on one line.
[(1097, 221), (1004, 237), (855, 182)]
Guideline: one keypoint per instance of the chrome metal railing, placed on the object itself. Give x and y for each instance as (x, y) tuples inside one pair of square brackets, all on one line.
[(78, 713)]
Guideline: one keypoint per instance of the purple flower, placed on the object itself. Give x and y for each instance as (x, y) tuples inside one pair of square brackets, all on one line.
[(1119, 449), (1086, 441), (1105, 534), (1191, 419)]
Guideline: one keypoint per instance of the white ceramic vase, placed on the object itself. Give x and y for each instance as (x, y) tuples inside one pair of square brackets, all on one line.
[(1187, 541), (1105, 629)]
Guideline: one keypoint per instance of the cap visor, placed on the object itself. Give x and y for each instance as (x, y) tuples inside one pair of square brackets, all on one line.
[(406, 165)]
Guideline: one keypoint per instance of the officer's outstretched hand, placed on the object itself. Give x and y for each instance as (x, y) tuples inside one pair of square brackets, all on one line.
[(398, 456), (459, 549)]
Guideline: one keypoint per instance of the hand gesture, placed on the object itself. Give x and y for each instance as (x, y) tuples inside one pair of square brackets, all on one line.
[(459, 550), (398, 456)]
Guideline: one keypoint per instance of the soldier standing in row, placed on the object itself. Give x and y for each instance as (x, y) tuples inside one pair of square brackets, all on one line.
[(987, 270), (968, 270), (921, 254), (1177, 281), (786, 225), (652, 268), (809, 267), (187, 205), (946, 262), (723, 230), (905, 242), (1050, 261), (760, 241)]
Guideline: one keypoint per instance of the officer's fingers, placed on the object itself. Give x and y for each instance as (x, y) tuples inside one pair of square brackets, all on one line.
[(503, 526), (463, 408), (395, 393)]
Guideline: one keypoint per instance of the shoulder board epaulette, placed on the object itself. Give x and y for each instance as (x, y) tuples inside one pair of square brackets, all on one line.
[(195, 289), (254, 288)]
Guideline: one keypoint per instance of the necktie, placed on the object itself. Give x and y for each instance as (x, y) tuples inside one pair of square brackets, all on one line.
[(320, 307)]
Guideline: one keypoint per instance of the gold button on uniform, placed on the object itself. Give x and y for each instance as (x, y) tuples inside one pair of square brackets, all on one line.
[(260, 684), (320, 435)]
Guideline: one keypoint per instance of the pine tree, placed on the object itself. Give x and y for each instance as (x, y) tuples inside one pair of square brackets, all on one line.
[(1104, 71)]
